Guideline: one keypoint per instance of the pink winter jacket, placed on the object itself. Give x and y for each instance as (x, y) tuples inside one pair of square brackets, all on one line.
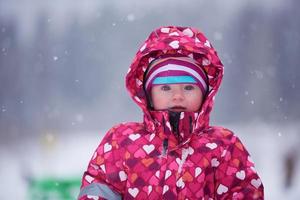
[(157, 160)]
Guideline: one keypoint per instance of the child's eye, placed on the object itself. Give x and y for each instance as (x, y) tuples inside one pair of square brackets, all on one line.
[(165, 87), (189, 87)]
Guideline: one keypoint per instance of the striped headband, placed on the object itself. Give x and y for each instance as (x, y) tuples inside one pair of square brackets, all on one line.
[(175, 70)]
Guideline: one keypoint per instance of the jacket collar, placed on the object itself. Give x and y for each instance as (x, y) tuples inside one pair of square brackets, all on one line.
[(177, 128)]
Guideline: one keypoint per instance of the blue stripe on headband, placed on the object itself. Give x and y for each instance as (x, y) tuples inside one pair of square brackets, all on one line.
[(173, 79)]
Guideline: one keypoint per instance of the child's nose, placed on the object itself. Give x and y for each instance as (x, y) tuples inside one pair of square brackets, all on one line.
[(178, 95)]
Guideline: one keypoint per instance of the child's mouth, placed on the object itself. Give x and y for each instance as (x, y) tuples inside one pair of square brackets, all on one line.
[(177, 108)]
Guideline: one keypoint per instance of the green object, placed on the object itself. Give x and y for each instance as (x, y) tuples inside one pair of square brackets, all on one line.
[(54, 189)]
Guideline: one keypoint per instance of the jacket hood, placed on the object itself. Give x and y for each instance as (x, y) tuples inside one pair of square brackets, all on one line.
[(185, 41)]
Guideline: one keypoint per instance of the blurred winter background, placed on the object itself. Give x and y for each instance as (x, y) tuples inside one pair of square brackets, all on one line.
[(62, 67)]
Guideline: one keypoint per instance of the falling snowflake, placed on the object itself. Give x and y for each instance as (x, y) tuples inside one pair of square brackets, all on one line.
[(293, 86), (55, 58), (259, 74), (252, 102), (4, 51), (279, 134), (280, 99), (130, 17)]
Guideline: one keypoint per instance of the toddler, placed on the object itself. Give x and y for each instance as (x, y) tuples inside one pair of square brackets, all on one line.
[(174, 153)]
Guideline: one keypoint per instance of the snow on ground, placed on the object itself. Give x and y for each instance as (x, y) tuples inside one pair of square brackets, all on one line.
[(68, 155), (268, 146)]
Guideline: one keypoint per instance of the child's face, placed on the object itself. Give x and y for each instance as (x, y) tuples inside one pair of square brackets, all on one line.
[(176, 97)]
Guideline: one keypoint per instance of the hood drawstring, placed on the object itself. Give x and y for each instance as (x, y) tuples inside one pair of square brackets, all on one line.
[(165, 141), (191, 124)]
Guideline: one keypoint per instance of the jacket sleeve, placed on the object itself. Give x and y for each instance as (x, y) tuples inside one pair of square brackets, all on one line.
[(235, 177), (105, 177)]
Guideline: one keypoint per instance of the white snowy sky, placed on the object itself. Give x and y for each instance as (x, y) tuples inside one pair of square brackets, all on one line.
[(59, 12)]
